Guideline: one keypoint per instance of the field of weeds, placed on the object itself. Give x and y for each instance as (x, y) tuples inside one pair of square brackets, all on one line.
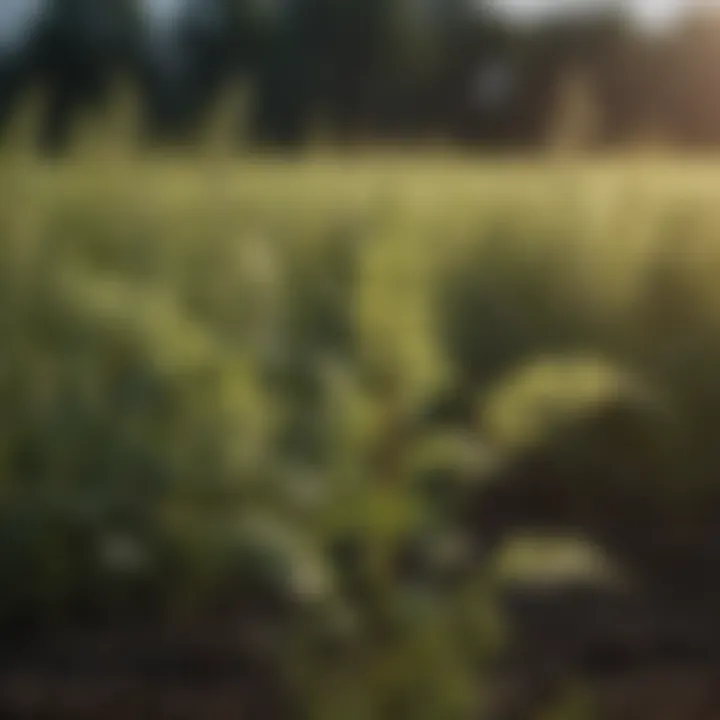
[(266, 391)]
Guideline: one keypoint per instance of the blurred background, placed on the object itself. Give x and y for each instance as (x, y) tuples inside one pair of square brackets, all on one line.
[(491, 73), (359, 359)]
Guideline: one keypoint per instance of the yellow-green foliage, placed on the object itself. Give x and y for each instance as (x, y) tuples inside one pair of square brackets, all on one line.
[(211, 370)]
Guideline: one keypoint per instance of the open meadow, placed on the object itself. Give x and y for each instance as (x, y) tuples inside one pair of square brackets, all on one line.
[(257, 396)]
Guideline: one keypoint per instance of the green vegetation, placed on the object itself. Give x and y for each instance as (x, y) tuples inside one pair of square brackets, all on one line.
[(216, 388)]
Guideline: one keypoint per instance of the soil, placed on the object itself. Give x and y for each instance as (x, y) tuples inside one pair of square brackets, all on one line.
[(634, 659), (136, 673)]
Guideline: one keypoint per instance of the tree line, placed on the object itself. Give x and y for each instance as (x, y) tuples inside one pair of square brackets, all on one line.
[(395, 70)]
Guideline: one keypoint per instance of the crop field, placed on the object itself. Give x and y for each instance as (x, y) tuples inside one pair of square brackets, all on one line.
[(247, 389)]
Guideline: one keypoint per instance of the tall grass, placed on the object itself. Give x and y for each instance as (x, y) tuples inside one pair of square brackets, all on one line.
[(215, 369)]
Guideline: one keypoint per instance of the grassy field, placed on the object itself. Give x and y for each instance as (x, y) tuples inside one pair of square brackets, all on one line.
[(209, 370)]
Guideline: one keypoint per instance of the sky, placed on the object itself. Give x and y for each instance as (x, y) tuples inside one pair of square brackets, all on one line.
[(16, 22), (17, 17), (650, 13)]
